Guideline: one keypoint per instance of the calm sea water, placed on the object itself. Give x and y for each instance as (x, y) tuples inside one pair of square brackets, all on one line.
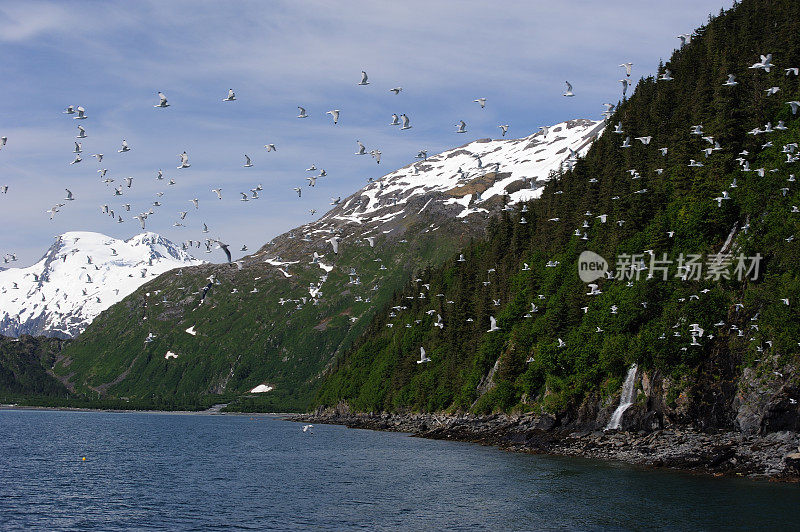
[(193, 472)]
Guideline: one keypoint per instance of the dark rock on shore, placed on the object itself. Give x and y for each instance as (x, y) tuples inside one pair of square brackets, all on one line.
[(775, 455)]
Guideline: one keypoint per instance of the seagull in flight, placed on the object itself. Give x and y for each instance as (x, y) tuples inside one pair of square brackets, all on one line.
[(625, 82), (247, 162), (163, 102), (504, 128), (362, 150), (406, 122), (627, 67), (81, 134), (218, 192), (334, 242), (270, 147), (765, 64), (569, 92), (396, 90), (462, 127), (493, 324), (335, 114), (481, 101), (184, 160), (224, 248), (81, 114), (395, 120), (364, 79), (231, 96), (731, 81), (124, 147), (303, 113), (423, 358), (53, 210)]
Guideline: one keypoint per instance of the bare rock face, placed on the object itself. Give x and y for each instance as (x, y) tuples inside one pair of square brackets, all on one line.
[(782, 412), (755, 395)]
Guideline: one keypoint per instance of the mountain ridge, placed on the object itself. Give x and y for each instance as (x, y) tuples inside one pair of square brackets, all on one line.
[(79, 276), (297, 302)]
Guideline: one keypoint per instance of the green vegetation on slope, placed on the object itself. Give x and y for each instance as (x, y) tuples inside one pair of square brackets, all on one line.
[(521, 366), (24, 362), (244, 337)]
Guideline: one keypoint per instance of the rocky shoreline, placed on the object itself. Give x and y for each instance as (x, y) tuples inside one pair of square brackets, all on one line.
[(775, 456)]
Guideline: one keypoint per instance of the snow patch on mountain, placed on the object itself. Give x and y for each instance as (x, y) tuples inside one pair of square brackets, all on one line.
[(528, 162), (82, 274)]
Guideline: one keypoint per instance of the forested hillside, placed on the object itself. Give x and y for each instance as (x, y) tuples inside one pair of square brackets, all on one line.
[(24, 363), (725, 191)]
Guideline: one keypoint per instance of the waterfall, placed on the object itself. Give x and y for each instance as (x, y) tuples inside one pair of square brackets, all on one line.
[(626, 399)]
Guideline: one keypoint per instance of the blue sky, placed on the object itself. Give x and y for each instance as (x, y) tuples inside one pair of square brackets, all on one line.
[(113, 57)]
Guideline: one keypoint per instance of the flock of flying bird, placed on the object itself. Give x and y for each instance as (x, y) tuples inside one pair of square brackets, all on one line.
[(695, 331), (79, 113)]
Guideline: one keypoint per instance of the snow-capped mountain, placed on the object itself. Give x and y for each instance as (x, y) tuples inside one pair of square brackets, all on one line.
[(463, 184), (319, 285), (81, 275)]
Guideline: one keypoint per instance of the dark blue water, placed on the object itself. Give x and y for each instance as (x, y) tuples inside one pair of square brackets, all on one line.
[(177, 472)]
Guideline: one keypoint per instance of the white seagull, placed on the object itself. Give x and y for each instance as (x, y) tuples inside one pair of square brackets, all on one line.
[(765, 64), (422, 357), (163, 102), (335, 114)]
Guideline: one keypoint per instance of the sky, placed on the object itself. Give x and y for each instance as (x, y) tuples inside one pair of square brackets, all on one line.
[(112, 58)]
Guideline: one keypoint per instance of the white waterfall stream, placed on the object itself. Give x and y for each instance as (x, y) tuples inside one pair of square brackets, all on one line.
[(626, 399)]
